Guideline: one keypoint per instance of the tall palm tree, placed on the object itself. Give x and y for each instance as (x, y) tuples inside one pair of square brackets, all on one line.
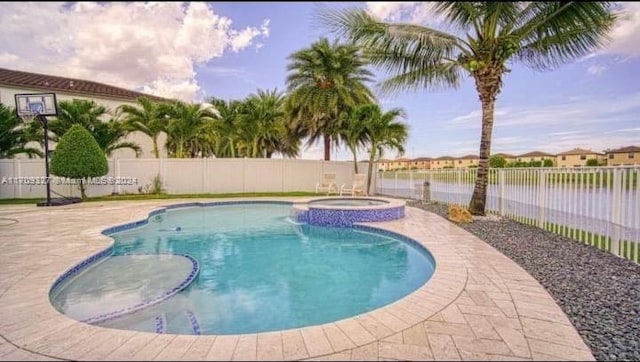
[(325, 79), (384, 131), (353, 131), (186, 121), (145, 118), (541, 35), (14, 136)]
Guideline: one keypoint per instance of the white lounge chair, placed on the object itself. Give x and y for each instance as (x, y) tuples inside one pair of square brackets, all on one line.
[(327, 184), (359, 186)]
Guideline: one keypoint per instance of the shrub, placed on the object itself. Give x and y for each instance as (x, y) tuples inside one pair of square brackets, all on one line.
[(547, 163), (497, 162), (78, 156), (592, 162)]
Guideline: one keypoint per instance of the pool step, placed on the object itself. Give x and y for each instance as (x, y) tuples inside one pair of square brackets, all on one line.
[(195, 326), (161, 323)]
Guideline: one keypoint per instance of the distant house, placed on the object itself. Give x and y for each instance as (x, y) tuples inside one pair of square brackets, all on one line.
[(507, 157), (466, 161), (14, 82), (391, 165), (623, 156), (421, 163), (442, 162), (536, 156), (577, 157)]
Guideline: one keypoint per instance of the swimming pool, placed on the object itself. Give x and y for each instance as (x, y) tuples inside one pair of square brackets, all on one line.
[(252, 270)]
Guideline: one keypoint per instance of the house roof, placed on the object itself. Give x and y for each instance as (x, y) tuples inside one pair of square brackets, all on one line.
[(579, 151), (444, 158), (468, 157), (422, 159), (401, 160), (45, 82), (504, 155), (536, 154), (625, 149)]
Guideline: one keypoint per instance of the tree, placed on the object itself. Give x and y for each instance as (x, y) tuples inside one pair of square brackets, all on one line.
[(353, 131), (384, 131), (78, 156), (147, 118), (593, 162), (14, 136), (186, 125), (496, 161), (89, 114), (324, 80), (541, 35), (547, 163)]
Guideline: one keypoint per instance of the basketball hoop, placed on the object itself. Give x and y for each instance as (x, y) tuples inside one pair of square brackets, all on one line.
[(38, 105)]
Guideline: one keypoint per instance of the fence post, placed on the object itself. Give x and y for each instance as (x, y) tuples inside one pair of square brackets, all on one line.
[(542, 197), (117, 160), (616, 206), (17, 171), (395, 184), (411, 189), (502, 191)]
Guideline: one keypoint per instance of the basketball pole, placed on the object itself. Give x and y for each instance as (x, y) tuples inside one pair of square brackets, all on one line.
[(45, 125)]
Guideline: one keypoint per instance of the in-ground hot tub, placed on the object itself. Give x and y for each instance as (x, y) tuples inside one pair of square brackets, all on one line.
[(345, 211)]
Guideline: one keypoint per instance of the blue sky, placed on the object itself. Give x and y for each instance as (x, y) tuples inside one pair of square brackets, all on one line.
[(548, 111), (229, 50)]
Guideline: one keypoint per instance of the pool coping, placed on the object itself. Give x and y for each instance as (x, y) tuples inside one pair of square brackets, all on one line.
[(41, 332)]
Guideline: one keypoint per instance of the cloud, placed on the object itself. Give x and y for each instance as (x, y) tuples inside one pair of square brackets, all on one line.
[(596, 69), (238, 73), (624, 36), (149, 46)]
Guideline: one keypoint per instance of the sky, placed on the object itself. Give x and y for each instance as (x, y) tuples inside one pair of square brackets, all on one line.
[(197, 50)]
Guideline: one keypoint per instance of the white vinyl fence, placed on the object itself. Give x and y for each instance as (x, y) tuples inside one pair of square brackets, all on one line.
[(180, 176), (595, 205)]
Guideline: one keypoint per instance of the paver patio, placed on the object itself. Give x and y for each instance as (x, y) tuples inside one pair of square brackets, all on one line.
[(479, 305)]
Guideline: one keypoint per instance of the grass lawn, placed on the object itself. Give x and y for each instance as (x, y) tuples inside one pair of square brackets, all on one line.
[(168, 196)]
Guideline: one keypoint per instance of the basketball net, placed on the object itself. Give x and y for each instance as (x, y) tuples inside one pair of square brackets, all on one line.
[(27, 117)]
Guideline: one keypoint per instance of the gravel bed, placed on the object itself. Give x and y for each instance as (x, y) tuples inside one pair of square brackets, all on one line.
[(598, 291)]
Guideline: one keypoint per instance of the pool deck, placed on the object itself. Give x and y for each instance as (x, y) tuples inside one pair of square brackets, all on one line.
[(479, 305)]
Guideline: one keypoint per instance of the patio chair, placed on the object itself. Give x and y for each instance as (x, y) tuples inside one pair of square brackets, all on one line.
[(358, 187), (327, 184)]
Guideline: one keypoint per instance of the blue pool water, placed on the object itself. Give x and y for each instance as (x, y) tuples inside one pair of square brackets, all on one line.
[(257, 272)]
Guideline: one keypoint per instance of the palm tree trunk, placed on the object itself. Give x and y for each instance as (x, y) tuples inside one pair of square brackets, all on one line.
[(155, 147), (327, 147), (488, 82), (355, 161), (372, 158)]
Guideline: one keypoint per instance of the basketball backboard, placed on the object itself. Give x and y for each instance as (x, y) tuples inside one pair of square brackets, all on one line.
[(43, 104)]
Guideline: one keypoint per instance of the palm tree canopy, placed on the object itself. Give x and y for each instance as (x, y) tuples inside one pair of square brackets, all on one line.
[(541, 35), (324, 80), (14, 136)]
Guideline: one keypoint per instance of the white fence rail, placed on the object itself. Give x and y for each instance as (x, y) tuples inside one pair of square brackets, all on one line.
[(595, 205), (184, 176)]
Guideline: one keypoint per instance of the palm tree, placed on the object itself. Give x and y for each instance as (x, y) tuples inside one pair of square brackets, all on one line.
[(383, 131), (109, 135), (262, 122), (14, 137), (186, 122), (226, 127), (146, 118), (541, 35), (353, 131), (324, 80), (89, 114)]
